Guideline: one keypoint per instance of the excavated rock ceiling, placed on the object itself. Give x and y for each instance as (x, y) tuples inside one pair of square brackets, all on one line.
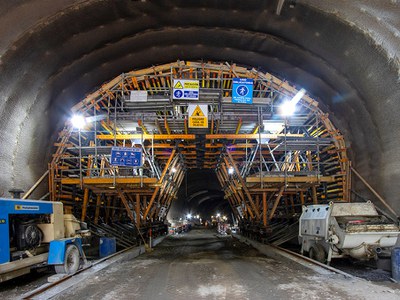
[(345, 53)]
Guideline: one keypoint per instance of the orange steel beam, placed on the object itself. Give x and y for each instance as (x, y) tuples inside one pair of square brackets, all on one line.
[(97, 212), (137, 210), (147, 136), (140, 123), (235, 188), (238, 126), (278, 198), (185, 124), (169, 146), (85, 203), (109, 181), (243, 183), (153, 197), (126, 204), (265, 207), (214, 145), (166, 125), (249, 136), (305, 179)]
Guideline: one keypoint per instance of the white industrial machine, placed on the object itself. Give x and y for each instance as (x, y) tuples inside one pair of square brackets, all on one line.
[(345, 229)]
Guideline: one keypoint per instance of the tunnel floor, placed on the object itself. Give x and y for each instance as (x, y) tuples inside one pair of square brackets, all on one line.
[(202, 265)]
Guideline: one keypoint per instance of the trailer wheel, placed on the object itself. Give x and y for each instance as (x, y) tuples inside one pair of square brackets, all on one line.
[(71, 261), (317, 252)]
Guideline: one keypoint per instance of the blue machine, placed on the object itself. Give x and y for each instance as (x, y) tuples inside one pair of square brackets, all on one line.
[(36, 227), (17, 207)]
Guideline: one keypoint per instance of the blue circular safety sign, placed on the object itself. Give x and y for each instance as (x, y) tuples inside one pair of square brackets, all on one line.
[(178, 94), (242, 90)]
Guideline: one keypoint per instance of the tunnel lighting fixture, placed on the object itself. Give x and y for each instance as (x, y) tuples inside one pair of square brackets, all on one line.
[(230, 171), (188, 216), (288, 108), (273, 126), (78, 121)]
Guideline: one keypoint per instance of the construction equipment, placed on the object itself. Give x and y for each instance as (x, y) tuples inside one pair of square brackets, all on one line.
[(37, 233), (345, 229)]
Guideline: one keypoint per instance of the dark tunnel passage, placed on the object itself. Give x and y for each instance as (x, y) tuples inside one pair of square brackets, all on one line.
[(344, 53), (204, 199)]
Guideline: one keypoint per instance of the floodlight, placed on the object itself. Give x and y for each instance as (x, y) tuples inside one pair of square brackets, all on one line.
[(78, 121), (188, 216), (231, 171), (173, 170), (288, 108)]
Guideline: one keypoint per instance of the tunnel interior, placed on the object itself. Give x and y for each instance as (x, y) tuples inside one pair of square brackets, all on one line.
[(344, 54)]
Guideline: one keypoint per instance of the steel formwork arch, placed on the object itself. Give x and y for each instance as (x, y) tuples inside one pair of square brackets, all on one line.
[(275, 169)]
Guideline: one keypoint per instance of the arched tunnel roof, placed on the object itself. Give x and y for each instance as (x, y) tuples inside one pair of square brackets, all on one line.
[(345, 53)]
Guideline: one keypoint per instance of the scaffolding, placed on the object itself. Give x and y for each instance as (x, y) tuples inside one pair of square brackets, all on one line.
[(267, 165)]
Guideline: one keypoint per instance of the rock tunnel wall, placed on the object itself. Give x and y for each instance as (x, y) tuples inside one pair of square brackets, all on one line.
[(345, 53)]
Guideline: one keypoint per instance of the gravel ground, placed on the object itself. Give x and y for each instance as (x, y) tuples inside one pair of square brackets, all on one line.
[(200, 265), (16, 287)]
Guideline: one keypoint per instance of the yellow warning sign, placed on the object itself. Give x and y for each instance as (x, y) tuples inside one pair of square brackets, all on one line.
[(191, 84), (198, 116), (178, 85), (197, 112)]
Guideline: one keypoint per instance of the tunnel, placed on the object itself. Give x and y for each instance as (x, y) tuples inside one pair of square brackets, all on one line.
[(344, 54), (98, 59)]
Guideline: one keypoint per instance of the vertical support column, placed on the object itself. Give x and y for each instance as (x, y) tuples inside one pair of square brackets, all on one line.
[(314, 195), (292, 203), (302, 198), (137, 211), (97, 213), (265, 208), (114, 205), (108, 209), (85, 203)]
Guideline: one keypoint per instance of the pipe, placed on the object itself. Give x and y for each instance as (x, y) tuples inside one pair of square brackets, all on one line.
[(375, 193)]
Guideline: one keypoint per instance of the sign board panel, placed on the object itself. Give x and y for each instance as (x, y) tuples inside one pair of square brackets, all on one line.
[(242, 90), (126, 157), (138, 96), (198, 115), (184, 89)]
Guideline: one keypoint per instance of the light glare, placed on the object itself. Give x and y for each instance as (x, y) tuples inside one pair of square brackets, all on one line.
[(289, 107), (78, 121)]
